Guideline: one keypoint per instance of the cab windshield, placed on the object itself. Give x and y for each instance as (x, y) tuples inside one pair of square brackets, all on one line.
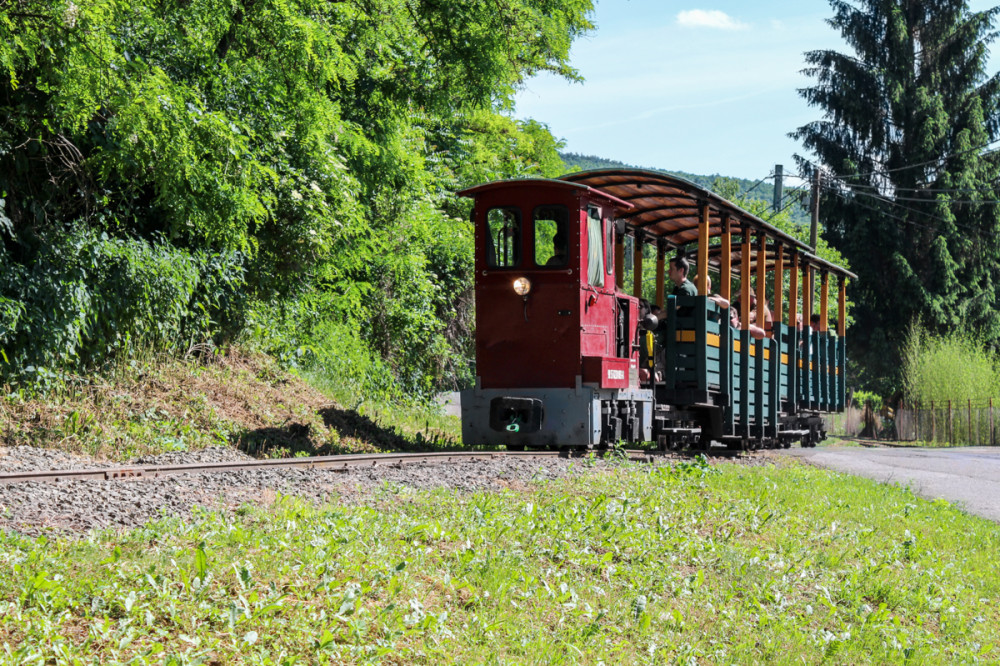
[(551, 227)]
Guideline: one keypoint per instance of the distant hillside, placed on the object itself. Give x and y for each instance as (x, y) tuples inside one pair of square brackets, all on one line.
[(763, 191)]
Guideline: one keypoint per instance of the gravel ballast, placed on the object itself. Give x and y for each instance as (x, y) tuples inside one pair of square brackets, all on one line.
[(34, 508)]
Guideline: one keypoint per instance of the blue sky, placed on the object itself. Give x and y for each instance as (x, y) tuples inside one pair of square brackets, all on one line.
[(686, 85)]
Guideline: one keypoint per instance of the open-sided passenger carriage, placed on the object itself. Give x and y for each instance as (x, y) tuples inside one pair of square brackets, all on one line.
[(562, 357)]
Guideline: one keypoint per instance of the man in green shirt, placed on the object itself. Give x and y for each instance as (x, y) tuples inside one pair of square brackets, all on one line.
[(677, 272)]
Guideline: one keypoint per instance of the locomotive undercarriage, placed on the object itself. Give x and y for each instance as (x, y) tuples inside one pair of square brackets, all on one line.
[(579, 418), (587, 417)]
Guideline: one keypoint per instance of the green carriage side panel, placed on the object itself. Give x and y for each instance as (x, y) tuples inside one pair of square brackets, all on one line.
[(819, 372), (759, 386), (782, 335), (817, 386), (670, 343), (701, 340), (736, 363), (693, 343), (842, 366), (793, 369), (834, 373), (713, 352), (807, 396), (726, 374), (774, 396), (827, 402), (745, 405)]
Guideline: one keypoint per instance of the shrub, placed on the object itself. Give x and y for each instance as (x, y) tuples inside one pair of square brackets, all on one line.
[(950, 367), (76, 299)]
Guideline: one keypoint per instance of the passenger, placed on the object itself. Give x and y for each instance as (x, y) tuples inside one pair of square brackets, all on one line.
[(764, 310), (719, 300), (678, 275), (814, 322), (734, 318), (559, 251)]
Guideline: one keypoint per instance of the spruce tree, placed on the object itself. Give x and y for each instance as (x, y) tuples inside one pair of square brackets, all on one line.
[(905, 146)]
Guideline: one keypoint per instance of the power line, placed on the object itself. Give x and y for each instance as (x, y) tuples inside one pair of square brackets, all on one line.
[(879, 210), (936, 190), (757, 184), (801, 194), (883, 172), (914, 211), (954, 201), (894, 202), (956, 224)]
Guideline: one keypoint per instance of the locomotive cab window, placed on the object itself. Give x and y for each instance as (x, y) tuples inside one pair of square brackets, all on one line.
[(595, 249), (551, 236), (503, 243)]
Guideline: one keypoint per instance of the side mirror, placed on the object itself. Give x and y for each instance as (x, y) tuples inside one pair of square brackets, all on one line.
[(650, 322)]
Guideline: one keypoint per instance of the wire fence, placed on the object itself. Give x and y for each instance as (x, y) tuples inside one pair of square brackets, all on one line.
[(938, 423)]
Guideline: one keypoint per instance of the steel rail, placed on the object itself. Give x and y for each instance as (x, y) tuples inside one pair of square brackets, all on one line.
[(339, 463)]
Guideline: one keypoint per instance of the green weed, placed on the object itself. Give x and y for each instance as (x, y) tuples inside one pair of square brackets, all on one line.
[(672, 564)]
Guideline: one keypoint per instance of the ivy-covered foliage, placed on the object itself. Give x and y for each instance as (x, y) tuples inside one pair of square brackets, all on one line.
[(909, 119), (277, 169)]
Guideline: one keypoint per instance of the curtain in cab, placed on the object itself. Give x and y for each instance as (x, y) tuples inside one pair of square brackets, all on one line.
[(595, 249)]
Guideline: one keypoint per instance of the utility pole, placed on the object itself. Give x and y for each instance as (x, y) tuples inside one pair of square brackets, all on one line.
[(813, 233), (814, 227), (779, 172)]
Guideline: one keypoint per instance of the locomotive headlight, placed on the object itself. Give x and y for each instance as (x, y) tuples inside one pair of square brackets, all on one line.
[(522, 286)]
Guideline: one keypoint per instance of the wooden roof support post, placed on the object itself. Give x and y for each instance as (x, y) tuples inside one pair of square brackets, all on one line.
[(761, 278), (726, 270), (807, 304), (660, 268), (619, 261), (793, 291), (779, 282), (703, 230), (745, 280), (637, 265), (842, 307), (824, 299)]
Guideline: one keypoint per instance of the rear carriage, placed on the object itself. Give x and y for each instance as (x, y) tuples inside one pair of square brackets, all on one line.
[(566, 356)]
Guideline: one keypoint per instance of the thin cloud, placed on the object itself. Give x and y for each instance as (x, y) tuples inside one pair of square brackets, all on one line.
[(700, 18), (653, 112)]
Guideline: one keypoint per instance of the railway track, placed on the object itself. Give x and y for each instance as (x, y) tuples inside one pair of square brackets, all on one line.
[(333, 463)]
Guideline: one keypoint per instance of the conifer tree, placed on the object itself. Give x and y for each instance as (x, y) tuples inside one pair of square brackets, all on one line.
[(906, 149)]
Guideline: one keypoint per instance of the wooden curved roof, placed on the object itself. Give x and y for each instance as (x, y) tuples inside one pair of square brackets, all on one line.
[(668, 208)]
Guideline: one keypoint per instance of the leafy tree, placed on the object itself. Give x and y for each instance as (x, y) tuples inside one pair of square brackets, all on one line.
[(310, 146), (911, 189)]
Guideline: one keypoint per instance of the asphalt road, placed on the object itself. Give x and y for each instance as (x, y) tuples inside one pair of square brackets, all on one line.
[(970, 477)]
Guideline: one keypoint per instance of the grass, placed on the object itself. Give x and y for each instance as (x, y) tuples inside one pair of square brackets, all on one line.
[(418, 423), (237, 399), (681, 564)]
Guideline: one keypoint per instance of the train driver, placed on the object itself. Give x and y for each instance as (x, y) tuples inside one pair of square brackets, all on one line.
[(560, 251)]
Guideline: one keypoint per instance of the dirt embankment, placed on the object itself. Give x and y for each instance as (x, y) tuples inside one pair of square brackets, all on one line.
[(234, 399)]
